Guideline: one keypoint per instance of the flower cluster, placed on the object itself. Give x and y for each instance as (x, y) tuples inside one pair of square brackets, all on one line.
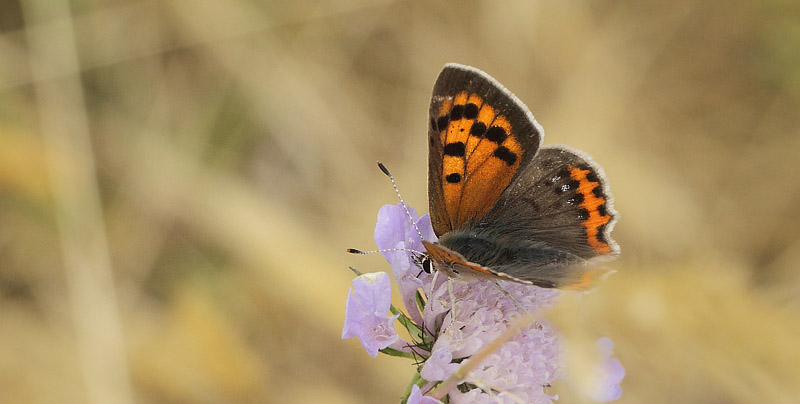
[(450, 321)]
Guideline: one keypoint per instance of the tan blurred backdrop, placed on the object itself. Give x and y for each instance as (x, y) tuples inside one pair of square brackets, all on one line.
[(179, 180)]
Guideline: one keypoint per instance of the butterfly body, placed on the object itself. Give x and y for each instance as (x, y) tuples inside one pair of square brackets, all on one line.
[(490, 259), (502, 206)]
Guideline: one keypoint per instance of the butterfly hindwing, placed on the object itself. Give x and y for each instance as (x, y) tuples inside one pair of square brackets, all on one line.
[(561, 199), (480, 136)]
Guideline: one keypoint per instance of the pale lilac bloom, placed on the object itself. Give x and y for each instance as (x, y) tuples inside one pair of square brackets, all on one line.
[(366, 312), (495, 397), (394, 230), (518, 370), (416, 397), (482, 312), (607, 374)]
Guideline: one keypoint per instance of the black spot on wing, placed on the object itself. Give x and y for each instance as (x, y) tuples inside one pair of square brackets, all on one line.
[(506, 155), (456, 149), (601, 233), (496, 134), (478, 129), (471, 111), (603, 210), (571, 185), (453, 178), (576, 199), (457, 112), (591, 176), (443, 122)]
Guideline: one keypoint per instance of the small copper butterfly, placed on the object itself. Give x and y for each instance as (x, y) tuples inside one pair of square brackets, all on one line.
[(503, 206)]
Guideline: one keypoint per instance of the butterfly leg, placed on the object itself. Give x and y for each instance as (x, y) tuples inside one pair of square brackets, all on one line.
[(508, 295), (433, 282), (452, 302), (431, 293), (516, 302)]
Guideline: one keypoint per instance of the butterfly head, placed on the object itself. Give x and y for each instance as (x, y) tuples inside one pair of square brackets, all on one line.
[(424, 262)]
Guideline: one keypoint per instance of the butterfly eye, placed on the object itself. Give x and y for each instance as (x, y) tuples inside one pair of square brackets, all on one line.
[(427, 266)]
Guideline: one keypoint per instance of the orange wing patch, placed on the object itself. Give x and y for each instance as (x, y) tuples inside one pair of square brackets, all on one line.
[(481, 156), (595, 206), (486, 115), (451, 128)]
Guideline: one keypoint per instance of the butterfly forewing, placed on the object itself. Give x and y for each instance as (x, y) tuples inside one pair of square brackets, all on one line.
[(480, 136)]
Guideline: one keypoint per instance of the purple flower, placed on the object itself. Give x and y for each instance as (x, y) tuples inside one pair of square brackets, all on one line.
[(366, 312), (482, 312), (416, 397), (394, 230), (606, 376), (458, 318)]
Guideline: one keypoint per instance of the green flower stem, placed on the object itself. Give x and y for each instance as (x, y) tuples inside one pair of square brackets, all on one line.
[(415, 380), (412, 328), (420, 301)]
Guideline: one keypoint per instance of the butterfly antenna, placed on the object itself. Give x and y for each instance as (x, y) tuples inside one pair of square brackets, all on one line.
[(402, 202), (357, 251)]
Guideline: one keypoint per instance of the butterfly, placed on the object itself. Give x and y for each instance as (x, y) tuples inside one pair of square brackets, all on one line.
[(503, 206)]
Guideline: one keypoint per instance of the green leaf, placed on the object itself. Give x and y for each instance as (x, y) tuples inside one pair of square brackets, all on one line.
[(394, 352), (409, 325)]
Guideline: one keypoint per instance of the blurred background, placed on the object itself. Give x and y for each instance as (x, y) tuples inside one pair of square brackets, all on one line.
[(179, 181)]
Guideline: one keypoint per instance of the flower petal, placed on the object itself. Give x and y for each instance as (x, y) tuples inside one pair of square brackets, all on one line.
[(367, 312), (394, 230), (609, 373), (438, 366), (416, 397)]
